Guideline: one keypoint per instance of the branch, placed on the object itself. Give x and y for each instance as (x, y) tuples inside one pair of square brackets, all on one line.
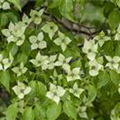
[(73, 27)]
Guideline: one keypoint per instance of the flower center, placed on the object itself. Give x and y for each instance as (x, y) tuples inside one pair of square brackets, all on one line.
[(72, 74), (112, 62), (51, 27), (20, 70), (55, 93), (89, 50), (36, 16), (75, 91), (63, 40), (93, 67), (39, 61), (102, 37), (22, 90), (9, 61), (64, 61), (37, 41)]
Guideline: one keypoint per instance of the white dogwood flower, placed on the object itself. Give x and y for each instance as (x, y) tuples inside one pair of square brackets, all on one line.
[(73, 74), (19, 70), (101, 38), (51, 64), (90, 48), (36, 16), (76, 91), (55, 93), (62, 41), (94, 67), (15, 33), (21, 90), (50, 28), (7, 61), (38, 42), (40, 60), (62, 61), (113, 62)]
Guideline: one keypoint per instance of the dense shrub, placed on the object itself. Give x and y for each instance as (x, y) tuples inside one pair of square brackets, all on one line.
[(59, 60)]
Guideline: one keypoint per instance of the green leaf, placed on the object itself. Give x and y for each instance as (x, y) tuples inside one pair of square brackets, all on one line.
[(39, 3), (17, 3), (114, 77), (103, 79), (5, 79), (38, 89), (26, 48), (3, 20), (39, 112), (11, 112), (66, 8), (92, 93), (108, 8), (94, 19), (21, 57), (53, 4), (12, 48), (117, 50), (70, 110), (28, 114), (114, 18), (53, 111), (108, 48), (12, 16)]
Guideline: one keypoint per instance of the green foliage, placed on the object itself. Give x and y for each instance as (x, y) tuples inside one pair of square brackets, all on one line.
[(28, 114), (53, 111), (11, 112), (59, 60), (70, 110), (114, 16)]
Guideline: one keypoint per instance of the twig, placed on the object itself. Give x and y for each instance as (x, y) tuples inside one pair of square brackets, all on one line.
[(70, 28)]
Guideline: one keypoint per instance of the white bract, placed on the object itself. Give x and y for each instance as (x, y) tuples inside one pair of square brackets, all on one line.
[(51, 64), (36, 16), (82, 112), (62, 41), (26, 20), (19, 70), (1, 63), (50, 28), (117, 35), (4, 5), (115, 115), (113, 62), (90, 48), (21, 90), (101, 38), (73, 74), (94, 67), (76, 91), (55, 93), (7, 61), (15, 33), (119, 88), (40, 60), (118, 3), (38, 42), (56, 77), (62, 61)]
